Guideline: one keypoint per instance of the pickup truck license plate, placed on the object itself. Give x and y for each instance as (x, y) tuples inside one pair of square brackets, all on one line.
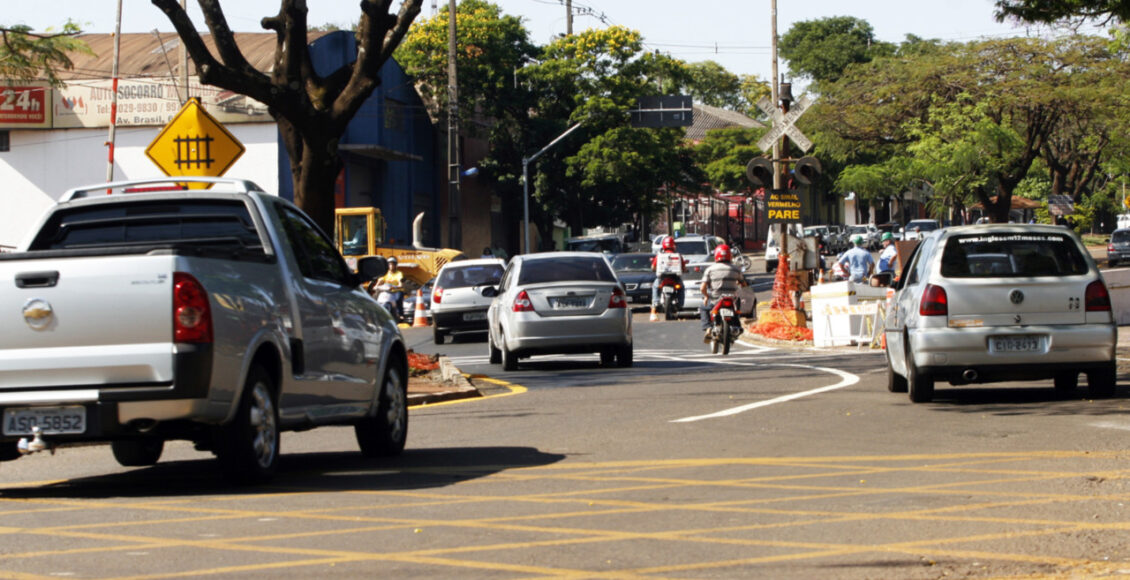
[(569, 302), (469, 316), (1023, 343), (50, 420)]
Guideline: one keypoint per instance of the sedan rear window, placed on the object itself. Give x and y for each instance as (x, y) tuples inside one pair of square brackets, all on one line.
[(466, 276), (572, 269), (1012, 255), (1120, 236)]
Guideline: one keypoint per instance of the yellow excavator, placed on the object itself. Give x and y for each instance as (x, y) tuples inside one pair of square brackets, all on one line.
[(360, 232)]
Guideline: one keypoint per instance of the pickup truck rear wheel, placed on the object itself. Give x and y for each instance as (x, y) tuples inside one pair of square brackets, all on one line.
[(248, 447), (137, 452), (385, 432)]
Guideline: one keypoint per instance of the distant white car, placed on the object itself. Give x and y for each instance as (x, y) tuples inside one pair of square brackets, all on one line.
[(458, 303), (918, 229)]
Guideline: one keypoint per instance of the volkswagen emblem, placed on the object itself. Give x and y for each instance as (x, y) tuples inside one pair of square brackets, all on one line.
[(38, 313), (1016, 297)]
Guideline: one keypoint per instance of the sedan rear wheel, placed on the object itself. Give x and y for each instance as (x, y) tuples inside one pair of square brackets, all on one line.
[(896, 383), (509, 359), (919, 385), (495, 355), (1101, 382), (1066, 381)]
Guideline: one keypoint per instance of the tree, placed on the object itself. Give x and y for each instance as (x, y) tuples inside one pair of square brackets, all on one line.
[(27, 55), (711, 84), (723, 156), (312, 111), (822, 49), (1052, 11)]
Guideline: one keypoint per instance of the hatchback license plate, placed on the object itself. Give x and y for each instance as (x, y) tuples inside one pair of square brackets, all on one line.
[(569, 302), (50, 420), (1025, 343)]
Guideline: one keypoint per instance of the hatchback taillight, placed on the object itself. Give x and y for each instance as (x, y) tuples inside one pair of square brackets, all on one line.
[(522, 303), (617, 299), (1096, 298), (934, 301), (192, 317), (437, 295)]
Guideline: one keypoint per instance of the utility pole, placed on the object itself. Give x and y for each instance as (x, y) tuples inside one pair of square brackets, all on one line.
[(784, 242), (568, 17), (183, 65), (114, 97), (454, 200)]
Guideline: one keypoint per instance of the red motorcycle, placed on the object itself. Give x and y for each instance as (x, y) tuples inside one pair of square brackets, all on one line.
[(725, 324), (671, 291)]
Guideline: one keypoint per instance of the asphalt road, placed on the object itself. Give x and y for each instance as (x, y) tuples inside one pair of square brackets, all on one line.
[(771, 462)]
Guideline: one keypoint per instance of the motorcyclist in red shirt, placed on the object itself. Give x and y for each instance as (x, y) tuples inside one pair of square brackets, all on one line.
[(667, 263)]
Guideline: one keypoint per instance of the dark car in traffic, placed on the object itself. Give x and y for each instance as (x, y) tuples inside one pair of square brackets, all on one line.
[(1119, 248), (635, 274)]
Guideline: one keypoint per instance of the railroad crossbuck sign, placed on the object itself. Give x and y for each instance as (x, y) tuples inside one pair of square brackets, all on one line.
[(195, 144), (783, 124)]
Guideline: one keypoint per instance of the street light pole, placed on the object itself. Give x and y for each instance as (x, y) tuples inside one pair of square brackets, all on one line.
[(526, 180)]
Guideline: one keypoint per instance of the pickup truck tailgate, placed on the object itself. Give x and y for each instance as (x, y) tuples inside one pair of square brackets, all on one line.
[(86, 322)]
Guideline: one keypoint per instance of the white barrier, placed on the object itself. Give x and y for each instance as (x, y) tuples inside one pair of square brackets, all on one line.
[(845, 313)]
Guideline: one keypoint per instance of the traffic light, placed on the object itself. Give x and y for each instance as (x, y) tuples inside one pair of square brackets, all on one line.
[(807, 170), (759, 171)]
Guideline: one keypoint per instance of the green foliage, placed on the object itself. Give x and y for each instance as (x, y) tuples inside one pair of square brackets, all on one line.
[(1052, 11), (723, 156), (711, 84), (822, 49), (26, 55)]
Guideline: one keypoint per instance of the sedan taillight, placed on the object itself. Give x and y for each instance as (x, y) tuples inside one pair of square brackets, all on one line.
[(522, 303), (934, 301), (617, 299), (1096, 298), (192, 316)]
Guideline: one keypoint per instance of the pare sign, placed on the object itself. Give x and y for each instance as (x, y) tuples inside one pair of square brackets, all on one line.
[(783, 207)]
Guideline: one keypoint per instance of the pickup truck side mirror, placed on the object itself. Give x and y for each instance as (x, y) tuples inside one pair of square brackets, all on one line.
[(371, 268), (489, 291)]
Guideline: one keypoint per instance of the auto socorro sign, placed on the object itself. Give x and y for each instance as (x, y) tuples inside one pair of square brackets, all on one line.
[(783, 206)]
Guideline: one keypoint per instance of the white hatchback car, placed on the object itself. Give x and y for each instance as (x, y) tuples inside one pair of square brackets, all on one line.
[(999, 302), (458, 303), (559, 303)]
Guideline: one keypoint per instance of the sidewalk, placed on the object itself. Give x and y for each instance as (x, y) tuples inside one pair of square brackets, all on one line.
[(445, 384)]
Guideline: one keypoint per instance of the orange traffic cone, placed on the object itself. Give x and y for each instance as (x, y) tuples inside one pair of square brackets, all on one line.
[(820, 280), (420, 319)]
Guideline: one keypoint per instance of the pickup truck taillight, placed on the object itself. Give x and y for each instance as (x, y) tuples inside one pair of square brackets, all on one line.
[(192, 317)]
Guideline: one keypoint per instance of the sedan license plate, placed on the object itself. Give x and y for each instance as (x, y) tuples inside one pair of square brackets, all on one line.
[(469, 316), (50, 420), (569, 302), (1023, 343)]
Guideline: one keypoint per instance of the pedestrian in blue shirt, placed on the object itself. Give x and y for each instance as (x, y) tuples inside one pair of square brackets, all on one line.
[(857, 261)]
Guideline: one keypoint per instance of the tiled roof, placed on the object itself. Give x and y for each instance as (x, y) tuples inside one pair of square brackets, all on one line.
[(707, 118)]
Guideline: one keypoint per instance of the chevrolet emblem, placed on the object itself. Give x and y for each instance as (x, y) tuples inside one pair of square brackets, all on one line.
[(38, 313)]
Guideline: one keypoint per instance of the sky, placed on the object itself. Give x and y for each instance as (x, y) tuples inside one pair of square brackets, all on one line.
[(734, 33)]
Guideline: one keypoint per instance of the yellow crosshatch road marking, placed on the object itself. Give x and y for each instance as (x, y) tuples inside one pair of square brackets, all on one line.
[(195, 144), (1025, 513)]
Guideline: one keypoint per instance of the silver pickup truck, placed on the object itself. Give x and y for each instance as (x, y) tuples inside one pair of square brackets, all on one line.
[(221, 316)]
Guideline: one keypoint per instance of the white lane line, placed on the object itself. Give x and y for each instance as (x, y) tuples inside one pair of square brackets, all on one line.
[(846, 380), (1112, 425)]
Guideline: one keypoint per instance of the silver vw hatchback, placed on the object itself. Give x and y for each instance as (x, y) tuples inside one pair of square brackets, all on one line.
[(1000, 302), (559, 303), (458, 303)]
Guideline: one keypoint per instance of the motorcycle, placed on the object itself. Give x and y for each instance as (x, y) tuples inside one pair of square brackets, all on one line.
[(671, 290), (386, 298), (725, 324)]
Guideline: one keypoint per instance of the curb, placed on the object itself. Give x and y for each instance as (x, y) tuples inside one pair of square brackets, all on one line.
[(454, 386)]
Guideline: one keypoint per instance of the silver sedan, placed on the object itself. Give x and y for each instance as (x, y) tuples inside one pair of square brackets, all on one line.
[(559, 303), (989, 303)]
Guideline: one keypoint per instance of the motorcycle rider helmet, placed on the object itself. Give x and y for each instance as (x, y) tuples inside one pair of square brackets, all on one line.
[(668, 244), (722, 253)]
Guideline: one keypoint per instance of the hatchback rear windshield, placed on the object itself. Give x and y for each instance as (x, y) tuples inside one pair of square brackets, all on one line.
[(572, 269), (149, 222), (466, 276), (1008, 255)]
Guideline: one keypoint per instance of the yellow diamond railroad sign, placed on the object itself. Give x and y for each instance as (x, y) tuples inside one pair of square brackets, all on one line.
[(194, 143)]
